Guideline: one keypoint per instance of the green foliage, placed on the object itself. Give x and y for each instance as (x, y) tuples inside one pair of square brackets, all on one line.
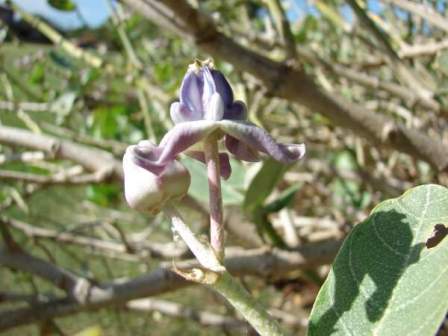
[(63, 5), (231, 193), (263, 183), (384, 281), (261, 186)]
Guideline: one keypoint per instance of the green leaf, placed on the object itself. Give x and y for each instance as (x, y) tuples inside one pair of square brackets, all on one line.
[(265, 228), (264, 183), (103, 194), (199, 184), (259, 189), (384, 280), (62, 5), (283, 200)]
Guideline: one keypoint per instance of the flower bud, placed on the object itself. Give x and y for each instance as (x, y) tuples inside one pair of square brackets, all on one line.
[(148, 187), (205, 94)]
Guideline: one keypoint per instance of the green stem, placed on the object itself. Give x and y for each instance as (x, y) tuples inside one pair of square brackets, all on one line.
[(247, 306), (223, 282)]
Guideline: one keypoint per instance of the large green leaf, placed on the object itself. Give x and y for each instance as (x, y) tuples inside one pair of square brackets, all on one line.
[(384, 280)]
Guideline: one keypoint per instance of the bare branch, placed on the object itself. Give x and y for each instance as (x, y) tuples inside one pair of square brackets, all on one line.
[(283, 27), (257, 262), (93, 159), (404, 74), (177, 310), (422, 10), (140, 250)]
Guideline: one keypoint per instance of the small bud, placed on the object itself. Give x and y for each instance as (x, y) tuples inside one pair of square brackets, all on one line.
[(149, 189)]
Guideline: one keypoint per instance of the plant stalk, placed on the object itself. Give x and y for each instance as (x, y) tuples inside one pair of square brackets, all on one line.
[(215, 198), (246, 305), (216, 276)]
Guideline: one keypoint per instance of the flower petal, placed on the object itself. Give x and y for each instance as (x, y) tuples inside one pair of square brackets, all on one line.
[(145, 154), (215, 108), (191, 93), (148, 191), (257, 138), (237, 111), (241, 150), (224, 162), (180, 113), (182, 136), (223, 87), (208, 90)]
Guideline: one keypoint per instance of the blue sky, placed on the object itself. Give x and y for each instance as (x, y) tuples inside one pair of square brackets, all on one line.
[(93, 12), (96, 12)]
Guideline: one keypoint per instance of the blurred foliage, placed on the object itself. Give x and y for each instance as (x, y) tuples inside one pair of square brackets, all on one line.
[(106, 106)]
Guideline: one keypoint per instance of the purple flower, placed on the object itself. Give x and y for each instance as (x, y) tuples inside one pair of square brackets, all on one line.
[(207, 106)]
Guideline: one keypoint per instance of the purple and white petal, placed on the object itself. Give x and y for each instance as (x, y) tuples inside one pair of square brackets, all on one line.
[(224, 162), (241, 150), (215, 108), (180, 113), (208, 90), (191, 94), (259, 139)]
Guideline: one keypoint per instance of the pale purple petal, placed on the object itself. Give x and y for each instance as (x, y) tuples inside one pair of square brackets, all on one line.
[(237, 111), (182, 136), (191, 93), (257, 138), (208, 90), (146, 190), (180, 113), (145, 154), (224, 162), (241, 150)]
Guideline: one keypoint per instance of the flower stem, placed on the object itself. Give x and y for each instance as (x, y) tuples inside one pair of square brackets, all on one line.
[(215, 198)]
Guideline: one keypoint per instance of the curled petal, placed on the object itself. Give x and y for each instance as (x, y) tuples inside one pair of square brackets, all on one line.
[(224, 162), (147, 190), (258, 139), (182, 136), (241, 150)]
